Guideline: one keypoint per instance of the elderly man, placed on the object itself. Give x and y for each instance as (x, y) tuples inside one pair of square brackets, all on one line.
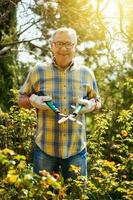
[(64, 83)]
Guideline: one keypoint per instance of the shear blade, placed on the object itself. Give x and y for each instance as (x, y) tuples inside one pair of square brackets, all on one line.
[(61, 114), (63, 119), (72, 117), (78, 122)]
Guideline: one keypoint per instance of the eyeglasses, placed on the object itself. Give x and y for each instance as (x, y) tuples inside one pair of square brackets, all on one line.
[(68, 45)]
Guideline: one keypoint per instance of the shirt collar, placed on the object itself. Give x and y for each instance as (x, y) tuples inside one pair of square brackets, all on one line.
[(70, 66)]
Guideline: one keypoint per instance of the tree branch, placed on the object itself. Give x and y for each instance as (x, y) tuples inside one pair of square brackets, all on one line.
[(121, 20), (8, 46), (19, 33)]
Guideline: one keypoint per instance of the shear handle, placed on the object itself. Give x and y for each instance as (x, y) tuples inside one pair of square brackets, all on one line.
[(80, 106), (50, 104), (52, 107)]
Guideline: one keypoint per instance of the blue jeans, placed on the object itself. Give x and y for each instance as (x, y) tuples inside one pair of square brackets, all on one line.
[(43, 161)]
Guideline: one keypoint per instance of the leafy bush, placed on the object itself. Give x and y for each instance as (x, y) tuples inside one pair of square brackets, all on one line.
[(17, 128), (107, 181), (19, 182), (110, 159)]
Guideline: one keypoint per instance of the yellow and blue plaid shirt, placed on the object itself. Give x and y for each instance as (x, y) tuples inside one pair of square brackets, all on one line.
[(65, 86)]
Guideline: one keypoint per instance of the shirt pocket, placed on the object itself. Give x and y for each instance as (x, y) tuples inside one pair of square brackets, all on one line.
[(52, 88), (47, 86)]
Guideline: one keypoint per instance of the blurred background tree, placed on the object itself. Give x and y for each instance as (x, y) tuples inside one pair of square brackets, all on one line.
[(7, 56)]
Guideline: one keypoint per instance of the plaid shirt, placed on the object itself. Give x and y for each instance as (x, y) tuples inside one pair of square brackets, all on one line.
[(65, 87)]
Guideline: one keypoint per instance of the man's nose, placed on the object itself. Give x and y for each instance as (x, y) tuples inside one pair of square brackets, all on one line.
[(63, 48)]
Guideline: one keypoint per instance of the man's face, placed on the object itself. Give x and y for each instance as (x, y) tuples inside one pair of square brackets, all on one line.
[(63, 48)]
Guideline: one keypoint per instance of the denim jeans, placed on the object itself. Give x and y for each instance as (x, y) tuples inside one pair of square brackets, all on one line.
[(42, 161)]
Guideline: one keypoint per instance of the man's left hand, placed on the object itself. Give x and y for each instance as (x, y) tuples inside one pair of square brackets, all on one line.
[(89, 105)]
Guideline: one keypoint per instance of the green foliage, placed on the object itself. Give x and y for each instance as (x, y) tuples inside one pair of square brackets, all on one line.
[(8, 35), (110, 159), (109, 180), (19, 182), (110, 141), (17, 128)]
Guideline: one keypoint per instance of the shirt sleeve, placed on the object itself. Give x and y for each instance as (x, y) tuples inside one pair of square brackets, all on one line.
[(30, 85), (93, 91)]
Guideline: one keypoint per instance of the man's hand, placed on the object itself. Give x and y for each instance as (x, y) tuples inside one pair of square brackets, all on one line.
[(39, 101), (89, 105)]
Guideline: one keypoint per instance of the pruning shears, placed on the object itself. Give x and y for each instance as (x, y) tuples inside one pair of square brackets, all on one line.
[(64, 118), (73, 116)]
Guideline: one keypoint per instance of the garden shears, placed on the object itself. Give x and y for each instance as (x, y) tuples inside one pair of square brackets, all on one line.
[(65, 117), (73, 116)]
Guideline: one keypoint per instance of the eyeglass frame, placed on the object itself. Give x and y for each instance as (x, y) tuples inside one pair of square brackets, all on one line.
[(63, 44)]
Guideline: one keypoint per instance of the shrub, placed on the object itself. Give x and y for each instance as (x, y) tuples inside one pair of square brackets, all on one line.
[(17, 129)]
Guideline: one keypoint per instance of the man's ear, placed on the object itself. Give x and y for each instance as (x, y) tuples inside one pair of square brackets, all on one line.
[(51, 46), (76, 48), (50, 43)]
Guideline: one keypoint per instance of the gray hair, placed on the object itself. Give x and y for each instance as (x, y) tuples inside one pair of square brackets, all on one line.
[(70, 31)]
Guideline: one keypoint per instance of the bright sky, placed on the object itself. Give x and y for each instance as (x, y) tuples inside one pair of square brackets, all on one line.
[(24, 15)]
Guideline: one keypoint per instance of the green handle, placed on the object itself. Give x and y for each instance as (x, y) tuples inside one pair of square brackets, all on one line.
[(77, 110), (80, 106), (52, 106)]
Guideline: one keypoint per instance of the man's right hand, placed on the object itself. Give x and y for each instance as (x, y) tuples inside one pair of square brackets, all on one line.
[(39, 101)]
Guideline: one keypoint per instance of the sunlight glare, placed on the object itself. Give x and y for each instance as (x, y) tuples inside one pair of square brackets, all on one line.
[(108, 8)]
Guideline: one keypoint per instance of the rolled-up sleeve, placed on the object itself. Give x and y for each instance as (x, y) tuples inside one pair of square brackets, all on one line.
[(93, 91), (30, 85)]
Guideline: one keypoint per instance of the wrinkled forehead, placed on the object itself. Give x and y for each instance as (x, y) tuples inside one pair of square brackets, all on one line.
[(65, 37)]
